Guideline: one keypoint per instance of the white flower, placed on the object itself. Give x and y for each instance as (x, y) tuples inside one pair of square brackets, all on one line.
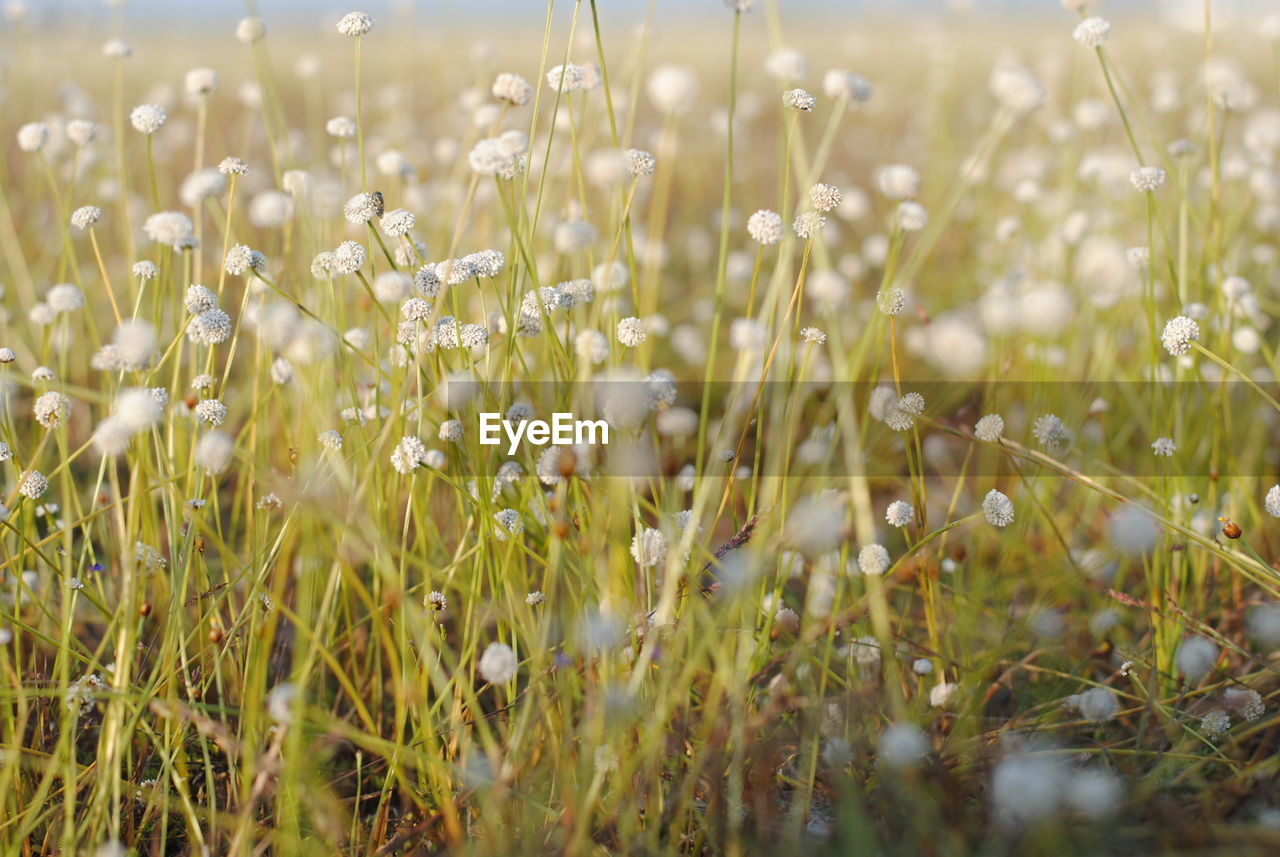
[(873, 560), (1051, 432), (989, 428), (1016, 88), (840, 83), (362, 208), (632, 332), (341, 127), (32, 484), (85, 216), (200, 81), (355, 24), (649, 547), (1092, 32), (1146, 178), (214, 451), (64, 297), (898, 181), (997, 508), (280, 702), (33, 136), (1164, 446), (812, 335), (912, 217), (900, 416), (941, 694), (172, 228), (1247, 701), (81, 131), (508, 524), (1215, 723), (397, 222), (498, 664), (211, 411), (765, 226), (117, 49), (566, 78), (210, 327), (891, 301), (408, 455), (1097, 704), (1272, 501), (899, 514), (1179, 333), (250, 30), (798, 99), (512, 88), (901, 745), (808, 224), (639, 162), (349, 257), (672, 88), (825, 197), (1195, 657), (52, 409), (147, 118)]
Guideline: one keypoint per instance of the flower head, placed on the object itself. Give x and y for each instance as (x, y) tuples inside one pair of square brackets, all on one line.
[(1146, 179), (355, 23), (33, 136), (512, 88), (649, 547), (824, 197), (808, 224), (85, 216), (798, 99), (840, 83), (989, 428), (1179, 333), (899, 514), (873, 560), (1092, 32), (250, 30), (498, 664), (147, 118), (765, 227), (632, 332), (1272, 501), (997, 508)]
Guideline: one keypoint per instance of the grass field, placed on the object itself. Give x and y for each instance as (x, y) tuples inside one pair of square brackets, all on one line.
[(937, 358)]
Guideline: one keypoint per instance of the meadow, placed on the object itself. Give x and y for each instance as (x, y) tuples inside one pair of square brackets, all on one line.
[(939, 511)]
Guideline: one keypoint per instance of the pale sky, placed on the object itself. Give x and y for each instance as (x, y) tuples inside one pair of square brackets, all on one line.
[(161, 13)]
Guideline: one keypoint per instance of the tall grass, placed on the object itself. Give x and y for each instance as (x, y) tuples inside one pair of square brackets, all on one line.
[(296, 645)]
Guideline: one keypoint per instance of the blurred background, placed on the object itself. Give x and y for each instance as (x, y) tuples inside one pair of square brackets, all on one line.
[(1190, 12)]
